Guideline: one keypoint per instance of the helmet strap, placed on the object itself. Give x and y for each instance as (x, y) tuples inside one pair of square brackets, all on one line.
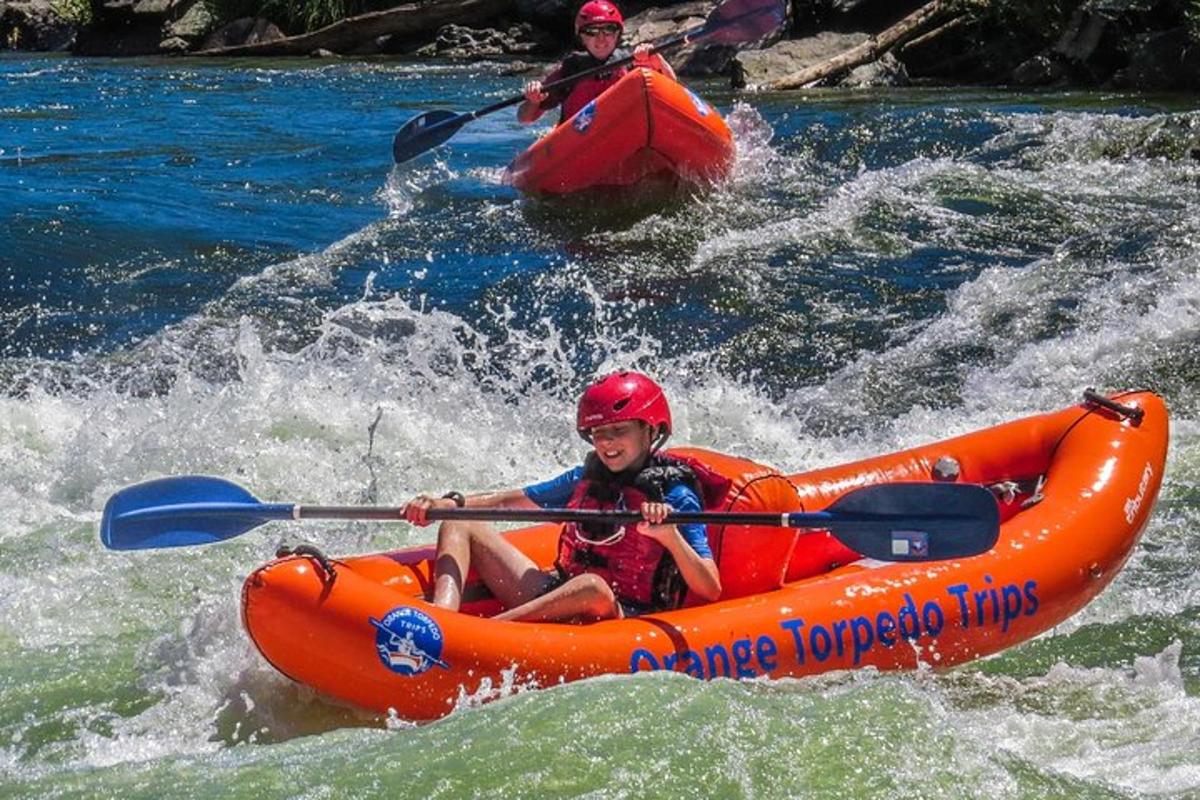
[(660, 439)]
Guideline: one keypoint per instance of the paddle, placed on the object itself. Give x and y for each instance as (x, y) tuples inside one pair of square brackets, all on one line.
[(890, 522), (732, 22)]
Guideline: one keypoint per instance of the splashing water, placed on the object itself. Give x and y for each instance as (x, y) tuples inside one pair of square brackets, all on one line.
[(257, 296)]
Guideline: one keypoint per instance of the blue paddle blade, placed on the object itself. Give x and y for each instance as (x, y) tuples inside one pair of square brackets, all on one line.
[(425, 132), (175, 512), (917, 521)]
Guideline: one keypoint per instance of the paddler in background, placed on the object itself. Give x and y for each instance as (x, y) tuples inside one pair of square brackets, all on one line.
[(602, 571), (599, 26)]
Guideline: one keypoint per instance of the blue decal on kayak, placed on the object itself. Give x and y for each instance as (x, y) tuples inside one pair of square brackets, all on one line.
[(977, 606), (583, 120), (701, 106), (408, 641)]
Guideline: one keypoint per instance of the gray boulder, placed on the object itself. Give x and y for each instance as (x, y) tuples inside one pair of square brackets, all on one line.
[(1087, 30), (1044, 69), (885, 71), (701, 58), (144, 27), (195, 23), (461, 42), (759, 67), (35, 25), (247, 30), (1161, 61), (656, 23)]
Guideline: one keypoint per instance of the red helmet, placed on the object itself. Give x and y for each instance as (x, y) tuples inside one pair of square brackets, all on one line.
[(622, 396), (598, 12)]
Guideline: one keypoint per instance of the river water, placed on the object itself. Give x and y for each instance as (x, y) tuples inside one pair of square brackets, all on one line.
[(214, 268)]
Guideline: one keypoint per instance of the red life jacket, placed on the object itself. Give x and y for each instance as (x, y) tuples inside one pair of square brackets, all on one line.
[(638, 568), (588, 89), (585, 90)]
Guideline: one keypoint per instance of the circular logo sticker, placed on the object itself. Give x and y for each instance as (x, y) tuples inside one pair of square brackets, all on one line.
[(408, 641), (583, 120)]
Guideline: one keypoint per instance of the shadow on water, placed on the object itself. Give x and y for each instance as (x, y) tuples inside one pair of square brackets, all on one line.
[(607, 209)]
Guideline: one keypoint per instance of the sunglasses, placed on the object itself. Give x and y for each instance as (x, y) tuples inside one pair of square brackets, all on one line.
[(597, 30)]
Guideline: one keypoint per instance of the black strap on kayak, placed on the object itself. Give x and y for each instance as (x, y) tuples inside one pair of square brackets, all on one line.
[(1131, 413), (313, 552)]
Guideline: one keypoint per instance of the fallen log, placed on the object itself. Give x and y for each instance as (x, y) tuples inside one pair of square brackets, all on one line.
[(954, 23), (908, 28), (345, 35)]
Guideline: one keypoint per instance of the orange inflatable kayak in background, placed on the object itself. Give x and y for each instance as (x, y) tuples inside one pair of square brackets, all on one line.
[(1075, 489), (645, 127)]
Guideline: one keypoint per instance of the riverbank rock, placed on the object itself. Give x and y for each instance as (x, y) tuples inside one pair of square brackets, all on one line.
[(760, 67), (144, 27), (1161, 61), (523, 68), (555, 15), (672, 20), (887, 70), (194, 25), (461, 42), (1133, 47), (655, 23), (35, 25), (247, 30)]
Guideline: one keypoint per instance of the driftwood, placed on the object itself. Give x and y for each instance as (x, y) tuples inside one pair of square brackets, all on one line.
[(911, 26), (953, 24), (347, 34)]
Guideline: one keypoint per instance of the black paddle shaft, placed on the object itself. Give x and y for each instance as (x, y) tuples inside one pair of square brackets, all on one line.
[(552, 515)]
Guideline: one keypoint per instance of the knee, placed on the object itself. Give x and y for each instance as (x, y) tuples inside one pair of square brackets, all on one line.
[(451, 531), (598, 594), (460, 530)]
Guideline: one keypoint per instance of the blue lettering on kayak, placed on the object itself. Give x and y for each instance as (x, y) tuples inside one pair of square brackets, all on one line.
[(743, 658), (747, 657), (1001, 606)]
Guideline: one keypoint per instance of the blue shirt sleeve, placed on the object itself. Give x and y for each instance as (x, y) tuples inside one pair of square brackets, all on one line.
[(682, 498), (556, 492)]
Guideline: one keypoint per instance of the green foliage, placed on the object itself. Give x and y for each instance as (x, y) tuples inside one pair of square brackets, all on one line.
[(294, 16), (1037, 17), (1167, 14), (228, 10), (76, 11), (1114, 7), (1032, 23), (1191, 12)]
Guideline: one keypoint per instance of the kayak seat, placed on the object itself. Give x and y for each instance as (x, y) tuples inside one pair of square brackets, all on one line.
[(751, 559)]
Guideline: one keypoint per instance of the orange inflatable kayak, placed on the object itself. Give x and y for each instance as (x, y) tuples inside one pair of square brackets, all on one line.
[(1075, 488), (645, 127)]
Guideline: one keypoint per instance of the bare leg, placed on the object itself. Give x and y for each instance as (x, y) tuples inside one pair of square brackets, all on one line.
[(585, 596), (510, 574)]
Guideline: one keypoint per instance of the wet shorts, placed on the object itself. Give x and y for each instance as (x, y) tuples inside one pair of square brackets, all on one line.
[(629, 608)]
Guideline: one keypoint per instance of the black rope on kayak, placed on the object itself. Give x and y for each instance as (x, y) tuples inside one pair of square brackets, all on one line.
[(1036, 496), (313, 552), (1132, 413), (1027, 490)]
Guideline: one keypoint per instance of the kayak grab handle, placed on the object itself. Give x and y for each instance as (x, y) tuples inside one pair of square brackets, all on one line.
[(1132, 413)]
